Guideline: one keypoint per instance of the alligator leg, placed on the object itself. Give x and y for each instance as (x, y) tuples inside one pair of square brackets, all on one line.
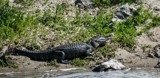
[(60, 56)]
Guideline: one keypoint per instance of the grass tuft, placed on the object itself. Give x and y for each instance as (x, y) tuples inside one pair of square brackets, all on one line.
[(78, 62)]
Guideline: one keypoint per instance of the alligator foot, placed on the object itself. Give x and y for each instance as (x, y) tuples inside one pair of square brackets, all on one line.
[(65, 61), (60, 55)]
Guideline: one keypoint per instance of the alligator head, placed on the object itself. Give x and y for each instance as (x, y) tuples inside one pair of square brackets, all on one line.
[(98, 41)]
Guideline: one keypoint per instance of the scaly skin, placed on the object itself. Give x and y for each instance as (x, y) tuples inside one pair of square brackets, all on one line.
[(61, 53), (66, 52)]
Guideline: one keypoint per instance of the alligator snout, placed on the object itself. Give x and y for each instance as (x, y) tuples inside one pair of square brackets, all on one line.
[(98, 41), (104, 38)]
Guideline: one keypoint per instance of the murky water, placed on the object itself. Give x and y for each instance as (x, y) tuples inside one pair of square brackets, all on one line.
[(73, 73)]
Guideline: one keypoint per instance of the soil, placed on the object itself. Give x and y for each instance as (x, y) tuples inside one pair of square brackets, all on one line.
[(135, 57), (139, 56)]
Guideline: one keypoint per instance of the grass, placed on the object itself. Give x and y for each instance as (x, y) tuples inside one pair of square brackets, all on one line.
[(53, 63), (3, 3), (78, 62), (25, 2), (16, 24), (124, 33), (6, 61), (108, 3)]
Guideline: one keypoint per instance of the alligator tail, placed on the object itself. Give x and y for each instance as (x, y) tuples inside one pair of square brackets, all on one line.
[(41, 55)]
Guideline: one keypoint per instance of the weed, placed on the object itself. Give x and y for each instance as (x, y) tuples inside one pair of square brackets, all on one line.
[(78, 62), (103, 3), (53, 63), (140, 16), (106, 51), (3, 3), (14, 22), (124, 33), (25, 2), (155, 22), (5, 61), (146, 48)]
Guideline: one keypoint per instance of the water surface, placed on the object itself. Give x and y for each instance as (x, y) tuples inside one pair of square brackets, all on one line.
[(81, 73)]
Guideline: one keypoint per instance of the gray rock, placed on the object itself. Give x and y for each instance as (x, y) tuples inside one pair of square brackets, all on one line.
[(158, 65), (123, 12), (157, 51), (112, 64)]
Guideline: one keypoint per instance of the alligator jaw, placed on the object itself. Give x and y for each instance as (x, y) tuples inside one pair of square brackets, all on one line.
[(98, 41)]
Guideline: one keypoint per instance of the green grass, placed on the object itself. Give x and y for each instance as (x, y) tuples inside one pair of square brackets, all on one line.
[(25, 2), (104, 3), (78, 62), (53, 63), (124, 33), (5, 61), (3, 3), (14, 22)]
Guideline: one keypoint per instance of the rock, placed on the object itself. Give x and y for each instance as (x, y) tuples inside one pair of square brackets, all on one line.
[(78, 2), (123, 12), (158, 65), (156, 8), (157, 51), (151, 55), (112, 64)]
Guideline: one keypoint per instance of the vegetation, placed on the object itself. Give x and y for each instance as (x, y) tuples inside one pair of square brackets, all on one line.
[(16, 24), (103, 3), (78, 62), (53, 63), (25, 2), (6, 61)]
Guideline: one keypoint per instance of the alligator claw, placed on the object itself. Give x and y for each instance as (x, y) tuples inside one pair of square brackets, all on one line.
[(65, 61)]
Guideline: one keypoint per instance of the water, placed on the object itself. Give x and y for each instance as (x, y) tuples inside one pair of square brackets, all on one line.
[(67, 73)]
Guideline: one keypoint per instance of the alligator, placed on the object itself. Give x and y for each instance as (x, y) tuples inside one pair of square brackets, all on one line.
[(63, 53)]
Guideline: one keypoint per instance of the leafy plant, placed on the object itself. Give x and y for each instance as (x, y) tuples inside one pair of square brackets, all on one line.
[(13, 22), (155, 21), (124, 33), (3, 3), (140, 16)]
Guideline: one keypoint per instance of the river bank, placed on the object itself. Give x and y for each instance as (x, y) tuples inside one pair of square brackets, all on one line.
[(76, 28), (138, 57)]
